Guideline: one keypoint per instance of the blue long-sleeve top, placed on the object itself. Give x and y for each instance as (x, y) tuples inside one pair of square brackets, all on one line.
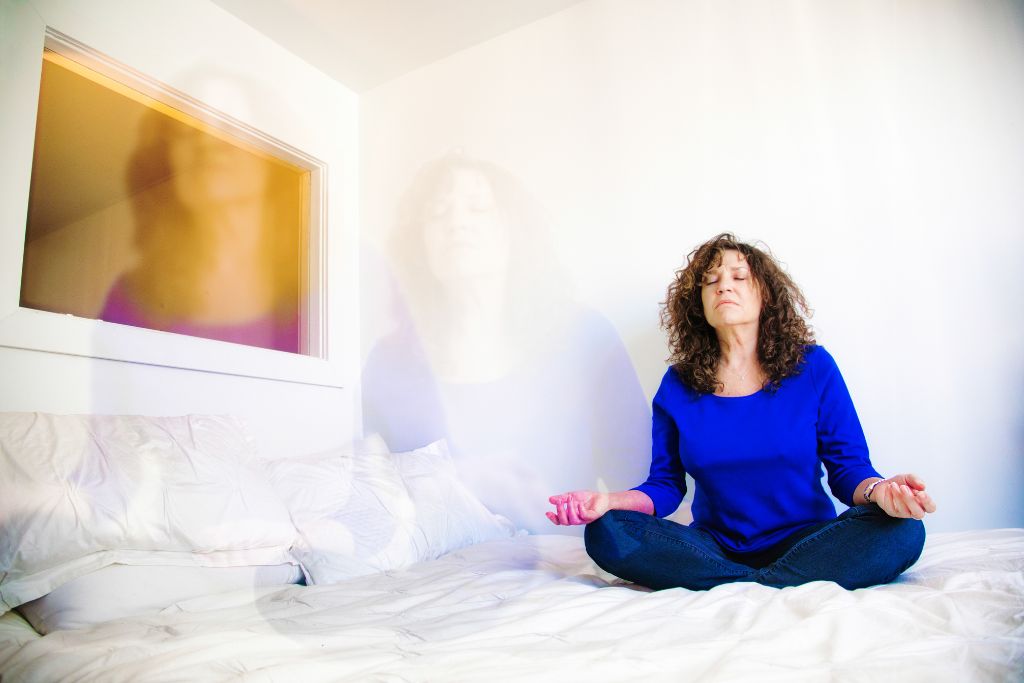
[(756, 460)]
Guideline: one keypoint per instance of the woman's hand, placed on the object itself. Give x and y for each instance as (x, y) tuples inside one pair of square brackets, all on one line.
[(578, 507), (903, 496)]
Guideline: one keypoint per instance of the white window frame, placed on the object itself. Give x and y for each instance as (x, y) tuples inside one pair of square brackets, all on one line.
[(25, 328)]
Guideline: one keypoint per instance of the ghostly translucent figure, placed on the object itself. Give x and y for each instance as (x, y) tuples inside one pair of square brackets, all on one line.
[(534, 392)]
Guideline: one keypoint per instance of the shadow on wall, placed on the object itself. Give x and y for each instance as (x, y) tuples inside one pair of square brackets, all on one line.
[(534, 392)]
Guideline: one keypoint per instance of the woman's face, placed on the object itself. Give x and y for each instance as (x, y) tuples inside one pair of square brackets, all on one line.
[(210, 172), (464, 230), (730, 295)]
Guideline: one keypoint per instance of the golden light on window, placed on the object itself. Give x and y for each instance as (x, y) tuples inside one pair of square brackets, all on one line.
[(144, 215)]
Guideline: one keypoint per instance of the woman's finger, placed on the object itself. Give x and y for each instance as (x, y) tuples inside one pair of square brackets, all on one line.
[(926, 502), (571, 512), (903, 497), (563, 517), (894, 501), (911, 504), (552, 516), (915, 482), (900, 496)]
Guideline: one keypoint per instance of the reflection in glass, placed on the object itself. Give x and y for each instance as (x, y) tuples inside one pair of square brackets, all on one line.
[(143, 215)]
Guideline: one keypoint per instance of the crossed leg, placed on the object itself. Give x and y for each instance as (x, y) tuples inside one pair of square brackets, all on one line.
[(862, 547)]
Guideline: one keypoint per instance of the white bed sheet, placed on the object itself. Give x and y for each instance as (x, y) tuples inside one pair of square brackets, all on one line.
[(535, 608)]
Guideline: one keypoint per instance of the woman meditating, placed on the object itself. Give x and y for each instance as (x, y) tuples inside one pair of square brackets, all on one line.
[(751, 408)]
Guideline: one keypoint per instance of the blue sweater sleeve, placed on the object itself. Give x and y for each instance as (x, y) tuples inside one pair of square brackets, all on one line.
[(666, 484), (841, 443)]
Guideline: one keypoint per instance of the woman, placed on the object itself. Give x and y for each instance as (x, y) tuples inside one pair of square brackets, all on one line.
[(751, 409), (494, 353)]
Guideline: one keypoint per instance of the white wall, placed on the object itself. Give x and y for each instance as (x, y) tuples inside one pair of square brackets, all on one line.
[(176, 44), (876, 147)]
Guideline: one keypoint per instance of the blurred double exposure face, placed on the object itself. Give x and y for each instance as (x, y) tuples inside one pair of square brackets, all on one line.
[(465, 231), (211, 171)]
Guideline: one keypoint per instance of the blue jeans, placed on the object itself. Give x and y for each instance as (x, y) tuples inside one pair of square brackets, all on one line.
[(862, 547)]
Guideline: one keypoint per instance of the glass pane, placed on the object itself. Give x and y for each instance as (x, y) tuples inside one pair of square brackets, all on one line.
[(143, 215)]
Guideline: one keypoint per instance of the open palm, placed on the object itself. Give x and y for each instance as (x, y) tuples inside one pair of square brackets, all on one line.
[(577, 507)]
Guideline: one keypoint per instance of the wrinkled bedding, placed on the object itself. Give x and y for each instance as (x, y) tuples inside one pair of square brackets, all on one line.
[(535, 608)]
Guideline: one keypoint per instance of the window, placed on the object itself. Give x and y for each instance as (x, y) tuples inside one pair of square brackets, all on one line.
[(148, 209)]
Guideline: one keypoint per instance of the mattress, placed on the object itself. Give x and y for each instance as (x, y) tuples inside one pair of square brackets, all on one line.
[(536, 608)]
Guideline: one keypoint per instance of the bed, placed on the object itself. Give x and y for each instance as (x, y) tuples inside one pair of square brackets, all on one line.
[(458, 601)]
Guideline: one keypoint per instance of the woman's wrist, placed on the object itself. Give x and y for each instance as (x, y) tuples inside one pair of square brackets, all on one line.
[(630, 500), (870, 489)]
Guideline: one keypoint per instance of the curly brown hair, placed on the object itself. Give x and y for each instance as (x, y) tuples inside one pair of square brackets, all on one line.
[(783, 332)]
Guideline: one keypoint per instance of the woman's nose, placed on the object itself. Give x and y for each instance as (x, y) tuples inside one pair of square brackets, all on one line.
[(460, 218)]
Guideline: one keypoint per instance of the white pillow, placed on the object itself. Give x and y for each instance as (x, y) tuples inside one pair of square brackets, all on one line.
[(120, 591), (447, 515), (355, 520), (83, 492), (314, 485), (356, 515)]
